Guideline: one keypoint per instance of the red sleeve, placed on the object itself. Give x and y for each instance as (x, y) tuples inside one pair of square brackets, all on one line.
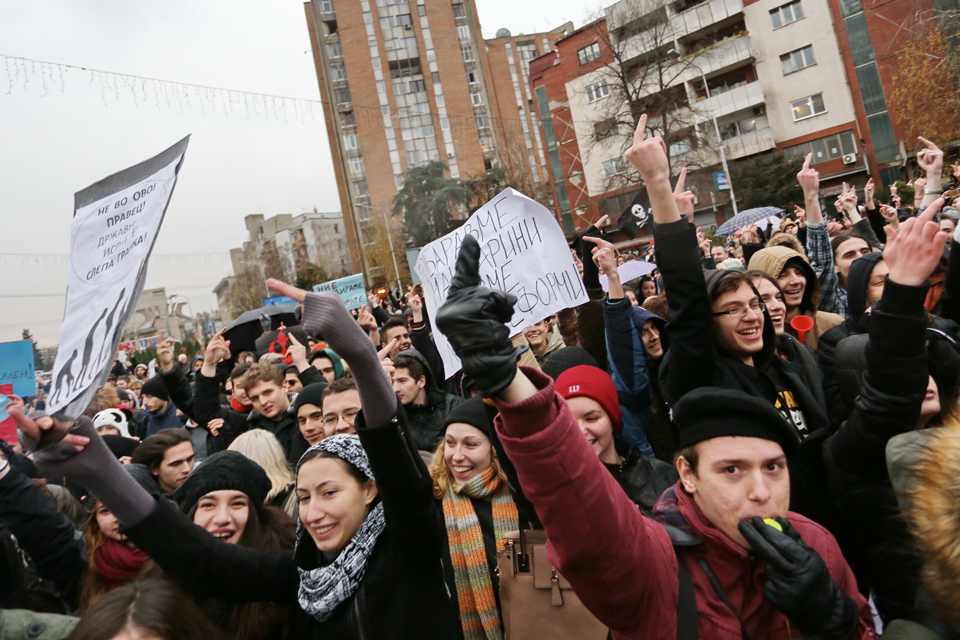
[(621, 565)]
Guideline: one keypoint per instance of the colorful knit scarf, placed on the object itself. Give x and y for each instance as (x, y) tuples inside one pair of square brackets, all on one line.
[(478, 607), (118, 563)]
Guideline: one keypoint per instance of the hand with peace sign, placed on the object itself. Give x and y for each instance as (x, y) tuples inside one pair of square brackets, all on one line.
[(473, 320), (649, 157)]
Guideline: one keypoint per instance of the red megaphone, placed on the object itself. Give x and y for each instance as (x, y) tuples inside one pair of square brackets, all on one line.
[(802, 324)]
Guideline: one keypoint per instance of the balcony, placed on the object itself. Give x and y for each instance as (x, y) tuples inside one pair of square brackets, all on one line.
[(719, 57), (728, 102), (704, 15)]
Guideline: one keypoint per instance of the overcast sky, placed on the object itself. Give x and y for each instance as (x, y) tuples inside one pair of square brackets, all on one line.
[(59, 138)]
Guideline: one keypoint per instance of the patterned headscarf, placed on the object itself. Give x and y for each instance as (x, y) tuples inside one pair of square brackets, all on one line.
[(324, 588)]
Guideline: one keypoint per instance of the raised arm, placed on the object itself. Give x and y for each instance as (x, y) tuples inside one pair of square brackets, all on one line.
[(175, 379)]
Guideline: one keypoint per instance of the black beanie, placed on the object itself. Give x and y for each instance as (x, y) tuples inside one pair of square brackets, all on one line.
[(476, 413), (156, 388), (227, 470), (858, 283), (709, 412), (566, 358), (310, 394)]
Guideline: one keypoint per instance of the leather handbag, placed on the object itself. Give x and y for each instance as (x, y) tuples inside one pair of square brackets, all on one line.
[(535, 600)]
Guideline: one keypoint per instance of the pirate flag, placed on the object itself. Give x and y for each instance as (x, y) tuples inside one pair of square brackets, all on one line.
[(636, 215)]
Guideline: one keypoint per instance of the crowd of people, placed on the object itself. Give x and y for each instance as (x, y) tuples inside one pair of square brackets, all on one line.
[(755, 440)]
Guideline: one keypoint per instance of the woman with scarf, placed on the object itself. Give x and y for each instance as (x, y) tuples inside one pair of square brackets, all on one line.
[(112, 558), (478, 509), (368, 558)]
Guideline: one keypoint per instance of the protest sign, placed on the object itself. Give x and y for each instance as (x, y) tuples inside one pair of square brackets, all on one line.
[(350, 289), (115, 225), (8, 427), (147, 343), (16, 367), (278, 300), (522, 251)]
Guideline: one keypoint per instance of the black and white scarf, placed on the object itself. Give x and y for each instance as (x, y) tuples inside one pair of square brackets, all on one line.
[(324, 588)]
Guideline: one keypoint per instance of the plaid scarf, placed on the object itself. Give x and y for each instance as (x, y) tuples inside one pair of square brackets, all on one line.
[(478, 607)]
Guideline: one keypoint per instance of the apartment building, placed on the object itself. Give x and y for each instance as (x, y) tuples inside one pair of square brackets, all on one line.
[(740, 78), (407, 82)]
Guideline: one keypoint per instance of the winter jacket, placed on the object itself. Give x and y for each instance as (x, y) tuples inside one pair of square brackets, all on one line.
[(402, 594), (628, 368), (695, 360), (285, 429), (949, 306), (772, 261), (894, 386), (642, 478), (179, 389), (44, 533), (422, 341), (154, 422), (554, 343), (207, 407), (833, 297), (628, 575), (426, 420)]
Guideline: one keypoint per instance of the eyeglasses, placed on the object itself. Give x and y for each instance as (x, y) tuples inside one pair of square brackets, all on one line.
[(349, 415), (741, 312)]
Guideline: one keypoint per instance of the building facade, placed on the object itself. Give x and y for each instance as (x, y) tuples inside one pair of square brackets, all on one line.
[(739, 78), (410, 81)]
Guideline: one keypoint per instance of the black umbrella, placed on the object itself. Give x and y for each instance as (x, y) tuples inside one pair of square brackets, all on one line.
[(244, 331)]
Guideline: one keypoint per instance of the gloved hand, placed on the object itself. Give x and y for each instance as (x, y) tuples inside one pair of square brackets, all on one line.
[(799, 583), (473, 320)]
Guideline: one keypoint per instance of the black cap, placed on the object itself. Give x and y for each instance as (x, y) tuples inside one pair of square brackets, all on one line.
[(310, 394), (156, 388), (474, 412), (709, 412), (566, 358), (227, 470)]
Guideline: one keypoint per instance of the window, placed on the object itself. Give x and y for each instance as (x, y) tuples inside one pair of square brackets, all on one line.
[(361, 188), (467, 52), (416, 157), (435, 77), (367, 17), (326, 6), (458, 11), (796, 60), (606, 128), (440, 101), (376, 62), (476, 98), (356, 166), (472, 77), (808, 107), (597, 91), (334, 51), (463, 32), (589, 53), (403, 20), (351, 141), (342, 94), (481, 119), (445, 124), (422, 9), (348, 119), (403, 88), (823, 149), (338, 72), (786, 14), (381, 87), (679, 147), (336, 227), (614, 167)]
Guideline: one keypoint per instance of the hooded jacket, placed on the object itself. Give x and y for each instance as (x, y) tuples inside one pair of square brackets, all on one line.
[(426, 421), (338, 370), (628, 577), (696, 360), (772, 261), (660, 432)]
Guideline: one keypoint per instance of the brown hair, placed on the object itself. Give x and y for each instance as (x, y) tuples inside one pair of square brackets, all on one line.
[(338, 386), (260, 372), (692, 456), (154, 607), (94, 586), (105, 398), (757, 274), (151, 451), (443, 479), (730, 281), (414, 366), (658, 304)]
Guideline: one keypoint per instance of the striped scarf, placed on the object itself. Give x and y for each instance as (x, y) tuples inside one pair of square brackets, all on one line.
[(478, 607)]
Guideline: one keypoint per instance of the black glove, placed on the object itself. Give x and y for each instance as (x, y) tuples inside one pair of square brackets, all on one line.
[(799, 583), (473, 320)]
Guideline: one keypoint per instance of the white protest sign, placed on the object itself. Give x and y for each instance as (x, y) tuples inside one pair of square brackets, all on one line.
[(115, 225), (522, 251)]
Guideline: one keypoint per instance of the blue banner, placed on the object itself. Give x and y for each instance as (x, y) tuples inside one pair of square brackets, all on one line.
[(16, 367), (278, 300), (350, 289)]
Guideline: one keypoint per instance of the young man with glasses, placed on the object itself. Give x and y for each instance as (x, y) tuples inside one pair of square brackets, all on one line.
[(340, 406)]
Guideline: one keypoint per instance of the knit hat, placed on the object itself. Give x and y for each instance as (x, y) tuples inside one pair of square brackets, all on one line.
[(567, 358), (227, 470), (345, 446), (476, 413), (731, 264), (709, 412), (156, 388), (112, 418), (144, 478), (310, 394), (591, 382)]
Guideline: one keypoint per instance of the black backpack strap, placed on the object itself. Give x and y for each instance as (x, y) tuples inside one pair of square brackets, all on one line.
[(686, 604)]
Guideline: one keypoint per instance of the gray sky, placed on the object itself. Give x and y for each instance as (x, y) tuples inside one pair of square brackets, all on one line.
[(58, 139)]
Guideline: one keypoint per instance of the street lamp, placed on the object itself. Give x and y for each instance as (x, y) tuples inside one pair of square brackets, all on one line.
[(386, 223)]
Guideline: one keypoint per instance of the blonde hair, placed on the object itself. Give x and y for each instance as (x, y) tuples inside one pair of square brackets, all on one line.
[(262, 447), (443, 479)]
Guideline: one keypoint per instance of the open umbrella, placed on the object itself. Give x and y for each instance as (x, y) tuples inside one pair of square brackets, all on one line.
[(244, 331), (746, 218)]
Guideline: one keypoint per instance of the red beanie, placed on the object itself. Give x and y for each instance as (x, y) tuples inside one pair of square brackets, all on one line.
[(591, 382)]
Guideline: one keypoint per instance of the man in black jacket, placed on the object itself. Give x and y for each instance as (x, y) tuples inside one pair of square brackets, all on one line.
[(272, 411), (425, 404)]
